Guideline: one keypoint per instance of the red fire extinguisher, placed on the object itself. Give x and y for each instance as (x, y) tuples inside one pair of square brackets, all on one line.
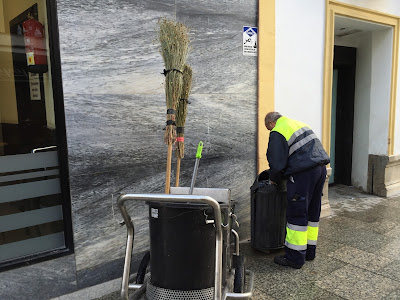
[(35, 46)]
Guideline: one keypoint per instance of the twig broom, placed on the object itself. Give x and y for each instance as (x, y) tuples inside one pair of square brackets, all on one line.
[(174, 42), (181, 119)]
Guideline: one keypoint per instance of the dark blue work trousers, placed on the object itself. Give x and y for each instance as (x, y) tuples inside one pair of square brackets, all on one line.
[(304, 194)]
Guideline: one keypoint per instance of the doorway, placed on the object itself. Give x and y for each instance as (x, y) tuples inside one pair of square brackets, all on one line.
[(344, 71)]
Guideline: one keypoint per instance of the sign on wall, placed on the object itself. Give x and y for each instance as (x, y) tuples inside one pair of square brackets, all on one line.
[(34, 83), (250, 41)]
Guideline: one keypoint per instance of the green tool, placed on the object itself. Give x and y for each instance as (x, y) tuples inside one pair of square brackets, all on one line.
[(196, 166)]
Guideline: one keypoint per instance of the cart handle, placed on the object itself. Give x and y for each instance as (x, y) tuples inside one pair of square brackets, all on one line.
[(171, 198)]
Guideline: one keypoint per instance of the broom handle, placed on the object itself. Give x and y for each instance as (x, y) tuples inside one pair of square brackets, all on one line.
[(168, 175), (196, 166), (178, 170)]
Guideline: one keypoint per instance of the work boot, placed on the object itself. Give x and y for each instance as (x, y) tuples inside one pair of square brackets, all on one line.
[(309, 257), (281, 260), (310, 254)]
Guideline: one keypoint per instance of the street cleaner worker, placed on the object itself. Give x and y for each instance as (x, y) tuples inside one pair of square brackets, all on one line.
[(296, 154)]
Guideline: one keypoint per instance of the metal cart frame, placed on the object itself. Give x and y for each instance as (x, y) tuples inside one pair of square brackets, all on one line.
[(218, 241)]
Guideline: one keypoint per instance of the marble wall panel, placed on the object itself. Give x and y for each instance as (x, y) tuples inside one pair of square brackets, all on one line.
[(216, 34), (108, 46), (115, 114)]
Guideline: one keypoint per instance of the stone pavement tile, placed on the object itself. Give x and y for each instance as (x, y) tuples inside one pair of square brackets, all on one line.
[(355, 283), (253, 254), (393, 296), (392, 270), (392, 202), (342, 222), (394, 233), (379, 226), (362, 259), (260, 295), (355, 236), (345, 192), (391, 247), (377, 213), (383, 226), (321, 266), (338, 222), (113, 296), (391, 250), (276, 280), (39, 281), (307, 291), (352, 201), (326, 246)]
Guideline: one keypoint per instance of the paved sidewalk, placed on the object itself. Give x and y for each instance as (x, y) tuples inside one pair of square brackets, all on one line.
[(358, 255)]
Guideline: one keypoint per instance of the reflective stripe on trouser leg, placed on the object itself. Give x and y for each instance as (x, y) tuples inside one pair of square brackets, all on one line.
[(296, 237), (312, 233)]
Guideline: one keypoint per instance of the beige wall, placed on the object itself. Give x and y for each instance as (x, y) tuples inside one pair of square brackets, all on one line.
[(1, 17), (8, 105), (266, 76)]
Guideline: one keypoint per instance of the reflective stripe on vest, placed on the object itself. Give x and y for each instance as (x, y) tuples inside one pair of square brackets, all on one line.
[(296, 237), (296, 134), (301, 143), (291, 130), (312, 233)]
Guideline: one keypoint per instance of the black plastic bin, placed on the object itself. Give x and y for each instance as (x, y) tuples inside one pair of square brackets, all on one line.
[(182, 245), (268, 214)]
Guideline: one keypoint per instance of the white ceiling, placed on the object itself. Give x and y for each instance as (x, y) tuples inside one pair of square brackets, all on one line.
[(346, 26)]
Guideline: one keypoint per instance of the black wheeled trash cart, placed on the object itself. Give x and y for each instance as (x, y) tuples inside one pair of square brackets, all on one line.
[(268, 214), (190, 249)]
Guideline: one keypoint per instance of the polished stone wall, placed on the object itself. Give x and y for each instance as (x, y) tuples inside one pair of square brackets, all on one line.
[(115, 115), (115, 112)]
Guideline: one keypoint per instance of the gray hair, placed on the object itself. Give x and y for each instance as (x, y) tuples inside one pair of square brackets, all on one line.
[(272, 116)]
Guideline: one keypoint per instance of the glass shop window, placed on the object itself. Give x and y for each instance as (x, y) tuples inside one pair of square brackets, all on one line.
[(34, 201)]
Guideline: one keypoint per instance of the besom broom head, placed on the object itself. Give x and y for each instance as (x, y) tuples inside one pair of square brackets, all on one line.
[(174, 43), (174, 48), (181, 111)]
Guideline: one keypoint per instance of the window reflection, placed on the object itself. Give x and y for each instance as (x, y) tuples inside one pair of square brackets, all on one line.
[(31, 206), (26, 107)]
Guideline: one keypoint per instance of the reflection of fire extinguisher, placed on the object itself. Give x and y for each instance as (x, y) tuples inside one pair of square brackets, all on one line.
[(35, 46)]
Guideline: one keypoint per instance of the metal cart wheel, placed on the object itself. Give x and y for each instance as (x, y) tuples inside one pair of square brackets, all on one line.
[(239, 279), (143, 268)]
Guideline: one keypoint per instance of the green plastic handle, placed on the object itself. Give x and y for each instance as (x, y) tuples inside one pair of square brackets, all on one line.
[(199, 149)]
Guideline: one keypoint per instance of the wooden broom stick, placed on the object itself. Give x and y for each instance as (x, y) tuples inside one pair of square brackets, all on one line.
[(178, 170), (168, 175)]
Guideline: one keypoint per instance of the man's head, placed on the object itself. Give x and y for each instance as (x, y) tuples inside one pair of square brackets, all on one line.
[(271, 118)]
